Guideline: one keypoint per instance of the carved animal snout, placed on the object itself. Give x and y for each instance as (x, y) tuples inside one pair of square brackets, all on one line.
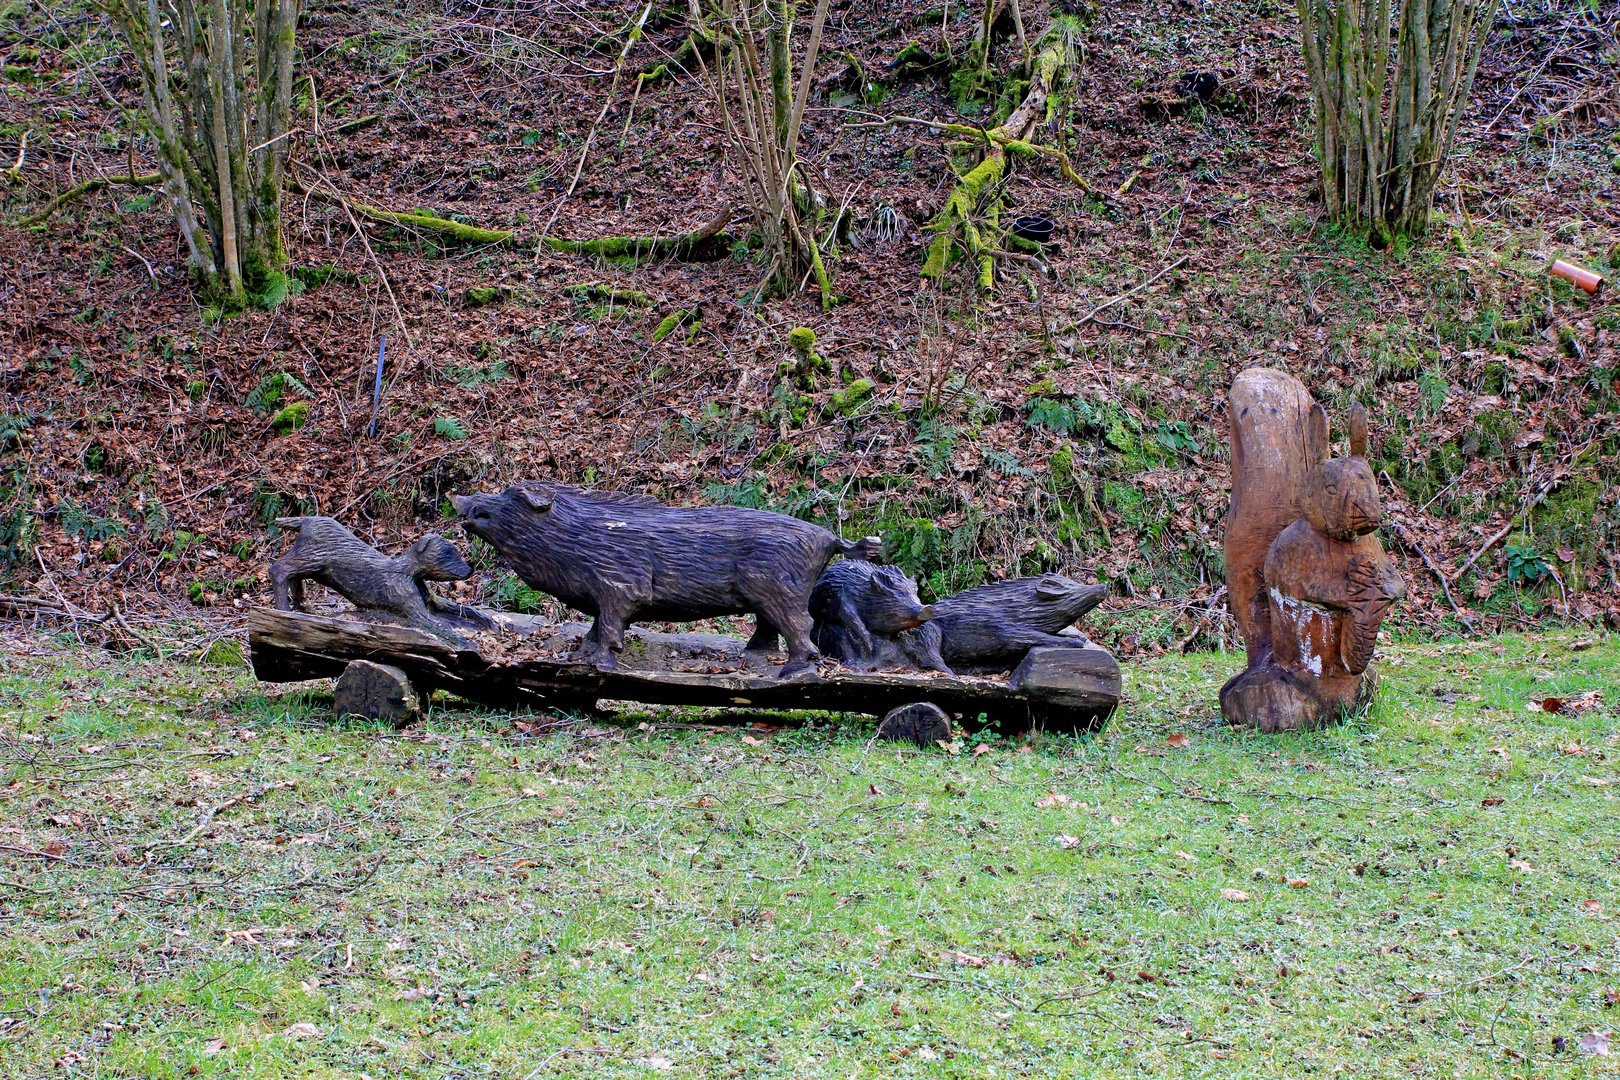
[(1364, 515), (923, 615)]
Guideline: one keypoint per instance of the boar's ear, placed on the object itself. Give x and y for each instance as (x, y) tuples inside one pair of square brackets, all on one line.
[(537, 500), (874, 583), (1051, 587)]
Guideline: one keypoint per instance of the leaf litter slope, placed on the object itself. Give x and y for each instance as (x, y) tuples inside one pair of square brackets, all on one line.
[(151, 464)]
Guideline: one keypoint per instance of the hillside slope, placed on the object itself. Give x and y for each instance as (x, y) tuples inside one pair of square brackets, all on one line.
[(1027, 429)]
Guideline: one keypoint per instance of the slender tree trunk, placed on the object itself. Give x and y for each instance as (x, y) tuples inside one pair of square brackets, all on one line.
[(220, 116), (1388, 90), (763, 114)]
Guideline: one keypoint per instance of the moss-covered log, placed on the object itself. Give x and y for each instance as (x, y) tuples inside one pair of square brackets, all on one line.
[(969, 223), (708, 242), (454, 232), (79, 191), (608, 294)]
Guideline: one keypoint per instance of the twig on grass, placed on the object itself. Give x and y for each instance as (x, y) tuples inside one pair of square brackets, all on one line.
[(33, 853), (927, 976), (1171, 790), (1415, 997)]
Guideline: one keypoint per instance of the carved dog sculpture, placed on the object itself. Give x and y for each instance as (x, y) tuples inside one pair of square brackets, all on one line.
[(858, 607), (624, 558), (1308, 581), (993, 626), (323, 550)]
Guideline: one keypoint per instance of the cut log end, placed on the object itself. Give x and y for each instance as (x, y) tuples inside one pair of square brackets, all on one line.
[(376, 692), (921, 722)]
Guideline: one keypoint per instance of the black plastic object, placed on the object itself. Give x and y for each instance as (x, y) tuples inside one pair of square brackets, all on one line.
[(1034, 228)]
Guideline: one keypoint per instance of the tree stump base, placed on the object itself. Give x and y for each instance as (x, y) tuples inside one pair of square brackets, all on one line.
[(377, 692), (921, 722)]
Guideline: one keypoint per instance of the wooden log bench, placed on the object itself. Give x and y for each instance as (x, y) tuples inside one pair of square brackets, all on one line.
[(527, 664)]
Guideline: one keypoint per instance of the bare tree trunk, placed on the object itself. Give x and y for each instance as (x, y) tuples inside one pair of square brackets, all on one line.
[(221, 119), (1388, 89), (763, 115)]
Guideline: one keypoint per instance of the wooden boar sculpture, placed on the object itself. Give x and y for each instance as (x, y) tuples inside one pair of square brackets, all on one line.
[(858, 607), (870, 618), (1308, 581), (624, 558), (992, 627)]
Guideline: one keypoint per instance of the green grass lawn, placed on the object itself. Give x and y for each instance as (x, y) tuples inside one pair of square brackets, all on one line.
[(201, 876)]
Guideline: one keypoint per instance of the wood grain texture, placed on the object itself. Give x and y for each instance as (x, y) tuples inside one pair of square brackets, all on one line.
[(627, 558), (1307, 579), (538, 669), (385, 588)]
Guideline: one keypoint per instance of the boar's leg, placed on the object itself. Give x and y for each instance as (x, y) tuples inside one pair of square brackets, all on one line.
[(288, 586), (836, 642), (606, 638), (765, 636), (921, 646), (847, 615), (796, 626)]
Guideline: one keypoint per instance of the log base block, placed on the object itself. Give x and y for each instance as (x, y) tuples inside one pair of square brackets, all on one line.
[(1270, 698), (922, 722), (376, 692)]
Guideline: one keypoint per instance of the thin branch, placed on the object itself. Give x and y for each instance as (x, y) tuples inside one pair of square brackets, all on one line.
[(1106, 304)]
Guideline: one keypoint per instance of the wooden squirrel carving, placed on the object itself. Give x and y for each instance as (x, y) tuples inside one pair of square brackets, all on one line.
[(1308, 581)]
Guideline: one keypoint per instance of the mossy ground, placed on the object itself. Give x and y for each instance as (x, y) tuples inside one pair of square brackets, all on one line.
[(1430, 888)]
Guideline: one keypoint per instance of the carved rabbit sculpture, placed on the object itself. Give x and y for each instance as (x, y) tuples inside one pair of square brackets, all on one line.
[(1308, 581)]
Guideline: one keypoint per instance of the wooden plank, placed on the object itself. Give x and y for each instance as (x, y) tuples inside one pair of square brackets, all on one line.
[(1073, 689)]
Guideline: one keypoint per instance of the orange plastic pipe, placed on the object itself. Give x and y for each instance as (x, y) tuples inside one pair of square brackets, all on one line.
[(1578, 276)]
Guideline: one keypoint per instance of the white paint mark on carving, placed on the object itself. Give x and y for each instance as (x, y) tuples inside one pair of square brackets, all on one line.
[(1309, 623)]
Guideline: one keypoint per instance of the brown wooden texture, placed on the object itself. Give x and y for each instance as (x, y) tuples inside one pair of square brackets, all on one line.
[(625, 558), (376, 692), (1308, 581), (1075, 691), (922, 722)]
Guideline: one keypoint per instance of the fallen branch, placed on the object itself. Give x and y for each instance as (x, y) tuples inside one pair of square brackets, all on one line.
[(1552, 484), (607, 103), (1127, 294), (1406, 541), (683, 245), (454, 231), (1000, 138), (444, 227), (349, 127), (79, 191)]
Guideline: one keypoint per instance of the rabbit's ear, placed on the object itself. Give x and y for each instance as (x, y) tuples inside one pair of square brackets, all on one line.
[(1358, 431), (1316, 433)]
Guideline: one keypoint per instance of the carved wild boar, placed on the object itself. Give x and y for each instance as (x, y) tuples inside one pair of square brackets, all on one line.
[(628, 558)]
